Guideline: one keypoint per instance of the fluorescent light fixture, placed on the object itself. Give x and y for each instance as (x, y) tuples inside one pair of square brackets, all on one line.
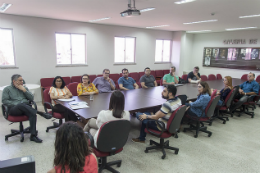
[(97, 20), (258, 15), (233, 29), (184, 1), (4, 7), (147, 9), (157, 26), (198, 31), (204, 21)]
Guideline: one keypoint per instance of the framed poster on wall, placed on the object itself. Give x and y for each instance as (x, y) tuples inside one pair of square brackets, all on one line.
[(236, 58)]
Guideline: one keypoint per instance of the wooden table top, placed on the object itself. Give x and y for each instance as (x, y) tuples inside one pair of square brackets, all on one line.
[(139, 98)]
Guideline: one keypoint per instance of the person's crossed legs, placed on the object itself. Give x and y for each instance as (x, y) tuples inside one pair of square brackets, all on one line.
[(151, 125)]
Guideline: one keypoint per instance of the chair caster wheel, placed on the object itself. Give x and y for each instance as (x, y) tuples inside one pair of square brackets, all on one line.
[(210, 124), (163, 157), (209, 135), (176, 136), (119, 164), (47, 130), (195, 136), (176, 152), (224, 122), (6, 138), (146, 151), (22, 139), (227, 119), (12, 131)]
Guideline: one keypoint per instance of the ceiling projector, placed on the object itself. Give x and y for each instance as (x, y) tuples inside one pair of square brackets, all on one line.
[(131, 11)]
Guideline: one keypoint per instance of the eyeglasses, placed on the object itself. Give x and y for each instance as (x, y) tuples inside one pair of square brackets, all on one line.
[(58, 81), (84, 78), (199, 86), (106, 73)]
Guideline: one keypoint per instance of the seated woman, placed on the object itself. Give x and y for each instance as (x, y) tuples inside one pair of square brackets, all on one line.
[(226, 90), (198, 107), (115, 112), (60, 91), (72, 153), (85, 87)]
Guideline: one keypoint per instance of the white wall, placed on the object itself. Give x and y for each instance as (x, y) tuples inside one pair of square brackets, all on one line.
[(216, 40), (34, 41)]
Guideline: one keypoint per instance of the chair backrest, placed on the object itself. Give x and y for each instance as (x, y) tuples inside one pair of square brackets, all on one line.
[(115, 77), (99, 75), (184, 77), (141, 74), (73, 88), (46, 82), (257, 79), (113, 135), (75, 79), (46, 97), (183, 98), (214, 93), (212, 77), (92, 77), (203, 77), (244, 77), (257, 98), (230, 97), (158, 73), (166, 72), (135, 76), (66, 80), (219, 76), (174, 121), (209, 111), (153, 73)]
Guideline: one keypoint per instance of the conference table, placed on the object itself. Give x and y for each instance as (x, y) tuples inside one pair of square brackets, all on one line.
[(138, 99)]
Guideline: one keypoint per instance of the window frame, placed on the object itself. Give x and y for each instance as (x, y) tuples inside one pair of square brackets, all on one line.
[(15, 64), (71, 65), (119, 63), (163, 62)]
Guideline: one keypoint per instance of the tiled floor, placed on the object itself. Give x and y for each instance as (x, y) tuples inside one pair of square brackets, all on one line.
[(232, 148)]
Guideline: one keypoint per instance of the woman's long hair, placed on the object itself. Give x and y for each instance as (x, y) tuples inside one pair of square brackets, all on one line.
[(71, 147), (229, 79), (54, 82), (206, 89), (117, 103)]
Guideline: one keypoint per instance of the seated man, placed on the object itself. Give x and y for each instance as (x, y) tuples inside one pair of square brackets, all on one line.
[(248, 88), (17, 98), (104, 84), (125, 82), (163, 114), (148, 80), (171, 78), (194, 76)]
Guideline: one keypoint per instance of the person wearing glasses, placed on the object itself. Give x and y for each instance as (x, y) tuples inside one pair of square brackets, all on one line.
[(86, 87), (60, 91), (194, 76), (198, 107), (246, 89), (104, 84), (125, 82)]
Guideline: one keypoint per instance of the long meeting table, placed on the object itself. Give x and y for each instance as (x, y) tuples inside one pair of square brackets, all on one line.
[(139, 99)]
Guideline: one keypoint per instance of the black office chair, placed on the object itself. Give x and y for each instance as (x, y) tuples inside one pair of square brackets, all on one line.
[(111, 139)]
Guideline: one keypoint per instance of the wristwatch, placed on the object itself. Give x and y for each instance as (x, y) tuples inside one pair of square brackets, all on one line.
[(245, 94), (146, 116)]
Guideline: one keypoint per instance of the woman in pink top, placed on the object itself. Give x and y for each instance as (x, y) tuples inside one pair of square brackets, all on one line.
[(72, 153)]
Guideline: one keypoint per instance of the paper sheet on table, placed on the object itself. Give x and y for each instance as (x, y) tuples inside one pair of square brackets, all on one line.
[(78, 105), (66, 100)]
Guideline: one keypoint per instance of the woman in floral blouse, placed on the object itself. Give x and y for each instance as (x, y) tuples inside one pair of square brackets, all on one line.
[(85, 87)]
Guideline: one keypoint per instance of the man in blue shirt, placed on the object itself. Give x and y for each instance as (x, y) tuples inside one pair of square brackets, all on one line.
[(125, 82), (248, 88)]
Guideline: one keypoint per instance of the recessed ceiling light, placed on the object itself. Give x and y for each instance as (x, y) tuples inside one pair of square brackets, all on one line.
[(96, 20), (4, 7), (184, 1), (204, 21), (258, 15), (147, 9), (232, 29), (198, 31), (157, 26)]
